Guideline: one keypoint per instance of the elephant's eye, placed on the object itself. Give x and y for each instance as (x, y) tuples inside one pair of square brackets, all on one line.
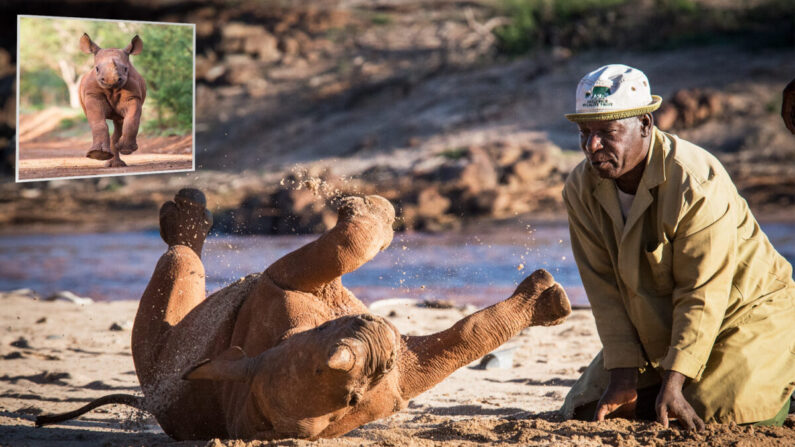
[(353, 399), (97, 68)]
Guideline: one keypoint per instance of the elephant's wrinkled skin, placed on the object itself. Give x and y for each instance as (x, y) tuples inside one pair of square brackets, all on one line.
[(291, 352), (113, 89)]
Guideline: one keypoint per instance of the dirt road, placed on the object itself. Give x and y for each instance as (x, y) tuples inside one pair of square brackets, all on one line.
[(67, 158)]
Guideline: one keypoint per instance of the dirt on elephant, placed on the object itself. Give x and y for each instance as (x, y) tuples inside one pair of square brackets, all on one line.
[(63, 158), (58, 355)]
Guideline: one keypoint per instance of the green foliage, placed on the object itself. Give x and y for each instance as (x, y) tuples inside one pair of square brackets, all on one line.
[(518, 36), (454, 153), (167, 65), (529, 18), (42, 87), (380, 18), (50, 60), (679, 6), (653, 24), (68, 123)]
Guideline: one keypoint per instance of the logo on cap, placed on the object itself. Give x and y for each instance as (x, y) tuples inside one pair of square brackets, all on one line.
[(597, 97)]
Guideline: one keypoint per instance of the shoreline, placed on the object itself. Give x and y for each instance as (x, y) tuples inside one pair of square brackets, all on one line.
[(143, 222)]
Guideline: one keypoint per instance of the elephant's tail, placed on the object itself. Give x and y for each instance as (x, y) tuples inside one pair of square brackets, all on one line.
[(125, 399)]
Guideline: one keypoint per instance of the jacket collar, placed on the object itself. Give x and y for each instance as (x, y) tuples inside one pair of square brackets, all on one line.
[(606, 194)]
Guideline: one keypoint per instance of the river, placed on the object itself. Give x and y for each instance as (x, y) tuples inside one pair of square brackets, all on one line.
[(476, 268)]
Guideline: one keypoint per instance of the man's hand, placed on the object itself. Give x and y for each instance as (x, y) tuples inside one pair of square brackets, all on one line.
[(671, 403), (621, 396), (788, 106)]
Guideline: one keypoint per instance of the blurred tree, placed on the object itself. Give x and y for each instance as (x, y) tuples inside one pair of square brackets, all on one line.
[(167, 65)]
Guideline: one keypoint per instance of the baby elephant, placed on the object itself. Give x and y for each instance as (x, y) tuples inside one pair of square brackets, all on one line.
[(290, 352), (113, 90)]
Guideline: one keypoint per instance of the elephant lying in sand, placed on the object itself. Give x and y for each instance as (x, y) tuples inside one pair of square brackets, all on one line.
[(291, 352)]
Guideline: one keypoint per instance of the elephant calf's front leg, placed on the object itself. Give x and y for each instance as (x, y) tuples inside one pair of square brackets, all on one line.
[(96, 111), (538, 301), (132, 119)]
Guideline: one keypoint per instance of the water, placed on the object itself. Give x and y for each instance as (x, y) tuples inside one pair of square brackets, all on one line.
[(468, 268)]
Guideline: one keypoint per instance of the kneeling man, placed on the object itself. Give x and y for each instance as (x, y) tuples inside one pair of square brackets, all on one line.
[(694, 307)]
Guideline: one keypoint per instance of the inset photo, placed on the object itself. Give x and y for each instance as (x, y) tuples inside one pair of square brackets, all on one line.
[(103, 98)]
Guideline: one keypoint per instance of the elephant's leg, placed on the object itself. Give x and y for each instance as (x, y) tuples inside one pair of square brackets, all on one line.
[(96, 109), (115, 161), (364, 227), (132, 119), (538, 301), (177, 284), (114, 139)]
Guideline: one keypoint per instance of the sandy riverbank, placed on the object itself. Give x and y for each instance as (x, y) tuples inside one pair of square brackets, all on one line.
[(55, 356)]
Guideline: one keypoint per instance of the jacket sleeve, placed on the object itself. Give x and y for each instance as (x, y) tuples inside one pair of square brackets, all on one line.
[(620, 345), (703, 264)]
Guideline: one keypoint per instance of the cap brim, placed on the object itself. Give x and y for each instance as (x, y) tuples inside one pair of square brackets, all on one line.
[(616, 114)]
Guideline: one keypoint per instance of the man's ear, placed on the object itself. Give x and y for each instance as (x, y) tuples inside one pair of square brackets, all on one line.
[(232, 365), (136, 46), (646, 124), (87, 45)]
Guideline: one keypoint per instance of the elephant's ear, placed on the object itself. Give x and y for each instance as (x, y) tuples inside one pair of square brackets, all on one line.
[(232, 365), (136, 46), (87, 45)]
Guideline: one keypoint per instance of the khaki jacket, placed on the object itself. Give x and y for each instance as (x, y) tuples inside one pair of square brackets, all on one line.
[(688, 283)]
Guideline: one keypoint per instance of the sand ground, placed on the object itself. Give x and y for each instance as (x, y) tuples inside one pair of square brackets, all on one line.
[(55, 356), (67, 158)]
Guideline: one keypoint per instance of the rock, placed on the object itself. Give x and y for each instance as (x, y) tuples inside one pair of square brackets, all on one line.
[(41, 320), (30, 410), (505, 153), (121, 326), (289, 46), (534, 166), (688, 108), (21, 342), (438, 304), (430, 203), (379, 305), (66, 295), (52, 377), (502, 359), (13, 355), (479, 174), (215, 72), (20, 293), (240, 69), (264, 46), (97, 385), (665, 117)]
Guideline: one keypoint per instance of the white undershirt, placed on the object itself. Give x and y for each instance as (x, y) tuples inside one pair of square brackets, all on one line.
[(625, 200)]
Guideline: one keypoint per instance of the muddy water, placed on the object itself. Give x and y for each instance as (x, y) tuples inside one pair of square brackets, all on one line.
[(468, 268)]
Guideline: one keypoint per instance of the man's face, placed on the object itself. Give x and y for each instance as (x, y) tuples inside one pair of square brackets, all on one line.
[(612, 147)]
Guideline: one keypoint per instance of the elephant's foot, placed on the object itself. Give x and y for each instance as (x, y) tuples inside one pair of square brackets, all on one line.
[(186, 220), (126, 146), (375, 213), (551, 307), (115, 163), (546, 298), (99, 151)]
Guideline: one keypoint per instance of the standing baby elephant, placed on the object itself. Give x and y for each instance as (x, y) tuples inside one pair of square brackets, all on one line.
[(112, 90)]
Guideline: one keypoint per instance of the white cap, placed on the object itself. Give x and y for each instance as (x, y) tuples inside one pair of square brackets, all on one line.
[(613, 92)]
